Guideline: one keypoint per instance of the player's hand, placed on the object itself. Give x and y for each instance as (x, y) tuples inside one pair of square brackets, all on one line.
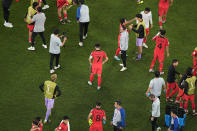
[(152, 118), (65, 38), (171, 3), (180, 76), (146, 93), (151, 26), (121, 128), (131, 26), (168, 54), (111, 123)]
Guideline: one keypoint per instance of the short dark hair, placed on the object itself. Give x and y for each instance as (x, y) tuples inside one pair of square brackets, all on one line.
[(39, 9), (76, 1), (118, 102), (189, 71), (139, 16), (56, 31), (152, 96), (97, 45), (81, 1), (163, 32), (147, 9), (98, 103), (35, 4), (124, 27), (157, 73), (35, 122), (174, 61), (122, 20), (66, 118)]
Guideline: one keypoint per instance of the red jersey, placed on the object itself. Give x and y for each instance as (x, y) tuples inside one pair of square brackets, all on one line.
[(97, 115), (161, 44), (35, 127), (41, 126), (98, 57), (62, 127), (194, 53), (164, 3)]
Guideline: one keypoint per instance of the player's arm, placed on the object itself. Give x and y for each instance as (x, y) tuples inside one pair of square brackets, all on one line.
[(106, 59), (171, 3), (167, 50), (148, 90), (57, 92), (89, 116), (90, 59), (151, 20), (42, 87), (141, 28), (130, 21)]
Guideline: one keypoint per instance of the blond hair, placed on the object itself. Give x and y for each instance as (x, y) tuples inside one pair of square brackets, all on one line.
[(53, 77)]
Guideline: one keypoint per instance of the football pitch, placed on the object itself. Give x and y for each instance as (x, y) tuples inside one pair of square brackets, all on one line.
[(22, 71)]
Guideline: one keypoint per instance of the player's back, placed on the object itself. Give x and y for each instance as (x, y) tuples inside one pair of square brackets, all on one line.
[(98, 57), (98, 115), (161, 44)]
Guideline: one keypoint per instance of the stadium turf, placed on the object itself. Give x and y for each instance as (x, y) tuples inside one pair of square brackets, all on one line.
[(23, 71)]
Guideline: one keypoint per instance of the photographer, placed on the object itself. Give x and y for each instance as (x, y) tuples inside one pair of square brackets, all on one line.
[(54, 49)]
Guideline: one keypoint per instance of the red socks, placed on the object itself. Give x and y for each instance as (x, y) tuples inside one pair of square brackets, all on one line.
[(65, 15), (152, 64), (160, 67), (117, 51), (60, 18), (99, 80), (164, 19), (193, 106), (91, 77), (160, 23)]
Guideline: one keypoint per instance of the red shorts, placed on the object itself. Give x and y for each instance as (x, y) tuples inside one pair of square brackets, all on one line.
[(60, 4), (96, 128), (189, 98), (147, 31), (30, 27), (163, 10), (172, 86), (159, 56), (181, 93), (97, 69)]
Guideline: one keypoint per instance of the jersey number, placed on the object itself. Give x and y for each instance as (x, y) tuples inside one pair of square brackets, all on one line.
[(48, 86), (160, 46), (99, 57), (98, 117)]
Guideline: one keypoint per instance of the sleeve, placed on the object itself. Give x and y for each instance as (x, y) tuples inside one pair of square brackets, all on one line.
[(122, 112), (57, 90), (141, 28), (154, 38), (151, 84), (104, 55), (34, 18), (42, 87), (59, 42), (150, 18), (167, 43), (78, 12)]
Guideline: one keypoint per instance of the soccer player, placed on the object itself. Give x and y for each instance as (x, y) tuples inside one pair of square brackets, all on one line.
[(194, 55), (189, 91), (64, 5), (35, 126), (98, 116), (50, 90), (40, 3), (31, 12), (97, 63), (159, 52), (64, 125), (140, 31), (171, 80), (147, 17), (39, 120), (140, 2), (163, 9), (124, 22)]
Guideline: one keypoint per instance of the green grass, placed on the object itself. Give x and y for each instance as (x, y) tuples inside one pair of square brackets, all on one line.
[(23, 71)]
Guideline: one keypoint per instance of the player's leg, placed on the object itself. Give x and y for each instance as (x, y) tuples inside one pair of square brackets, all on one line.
[(81, 27), (57, 65), (6, 14), (34, 34), (165, 14), (194, 66), (139, 42), (186, 103), (124, 60), (145, 38), (65, 15), (161, 60), (169, 85), (118, 49), (93, 72), (161, 11), (43, 39), (51, 62), (59, 13), (153, 61), (99, 72), (86, 30), (192, 99), (49, 107), (175, 89)]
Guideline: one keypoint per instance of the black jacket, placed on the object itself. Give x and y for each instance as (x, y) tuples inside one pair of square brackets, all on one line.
[(171, 74)]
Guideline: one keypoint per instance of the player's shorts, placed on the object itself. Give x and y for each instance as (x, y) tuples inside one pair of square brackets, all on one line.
[(189, 97), (60, 4), (30, 27), (181, 93), (163, 10), (172, 86), (139, 41), (159, 56), (147, 31), (49, 103), (96, 69), (96, 128)]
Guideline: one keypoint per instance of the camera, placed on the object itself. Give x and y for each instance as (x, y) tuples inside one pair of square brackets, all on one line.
[(63, 35)]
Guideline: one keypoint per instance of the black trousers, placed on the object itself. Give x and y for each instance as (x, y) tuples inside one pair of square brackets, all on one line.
[(117, 129), (34, 34), (6, 13), (83, 30), (44, 1), (124, 57), (57, 56), (154, 124)]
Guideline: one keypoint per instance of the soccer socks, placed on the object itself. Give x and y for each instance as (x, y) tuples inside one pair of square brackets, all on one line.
[(60, 18), (185, 105), (99, 80), (167, 92), (160, 67), (174, 91), (164, 19), (139, 56), (65, 15), (117, 51), (160, 24), (193, 106), (47, 114), (152, 64), (91, 77), (181, 104)]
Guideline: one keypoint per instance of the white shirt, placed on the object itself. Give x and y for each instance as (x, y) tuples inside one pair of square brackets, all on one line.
[(124, 40), (156, 108), (116, 117), (39, 20), (147, 18), (156, 85), (84, 14), (55, 44)]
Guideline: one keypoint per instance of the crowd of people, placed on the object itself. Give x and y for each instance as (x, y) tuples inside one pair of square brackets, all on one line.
[(35, 19)]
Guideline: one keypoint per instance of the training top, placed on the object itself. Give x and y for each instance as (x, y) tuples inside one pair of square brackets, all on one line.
[(39, 20), (119, 118), (156, 85), (124, 40), (171, 74), (55, 44), (147, 18), (83, 14)]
